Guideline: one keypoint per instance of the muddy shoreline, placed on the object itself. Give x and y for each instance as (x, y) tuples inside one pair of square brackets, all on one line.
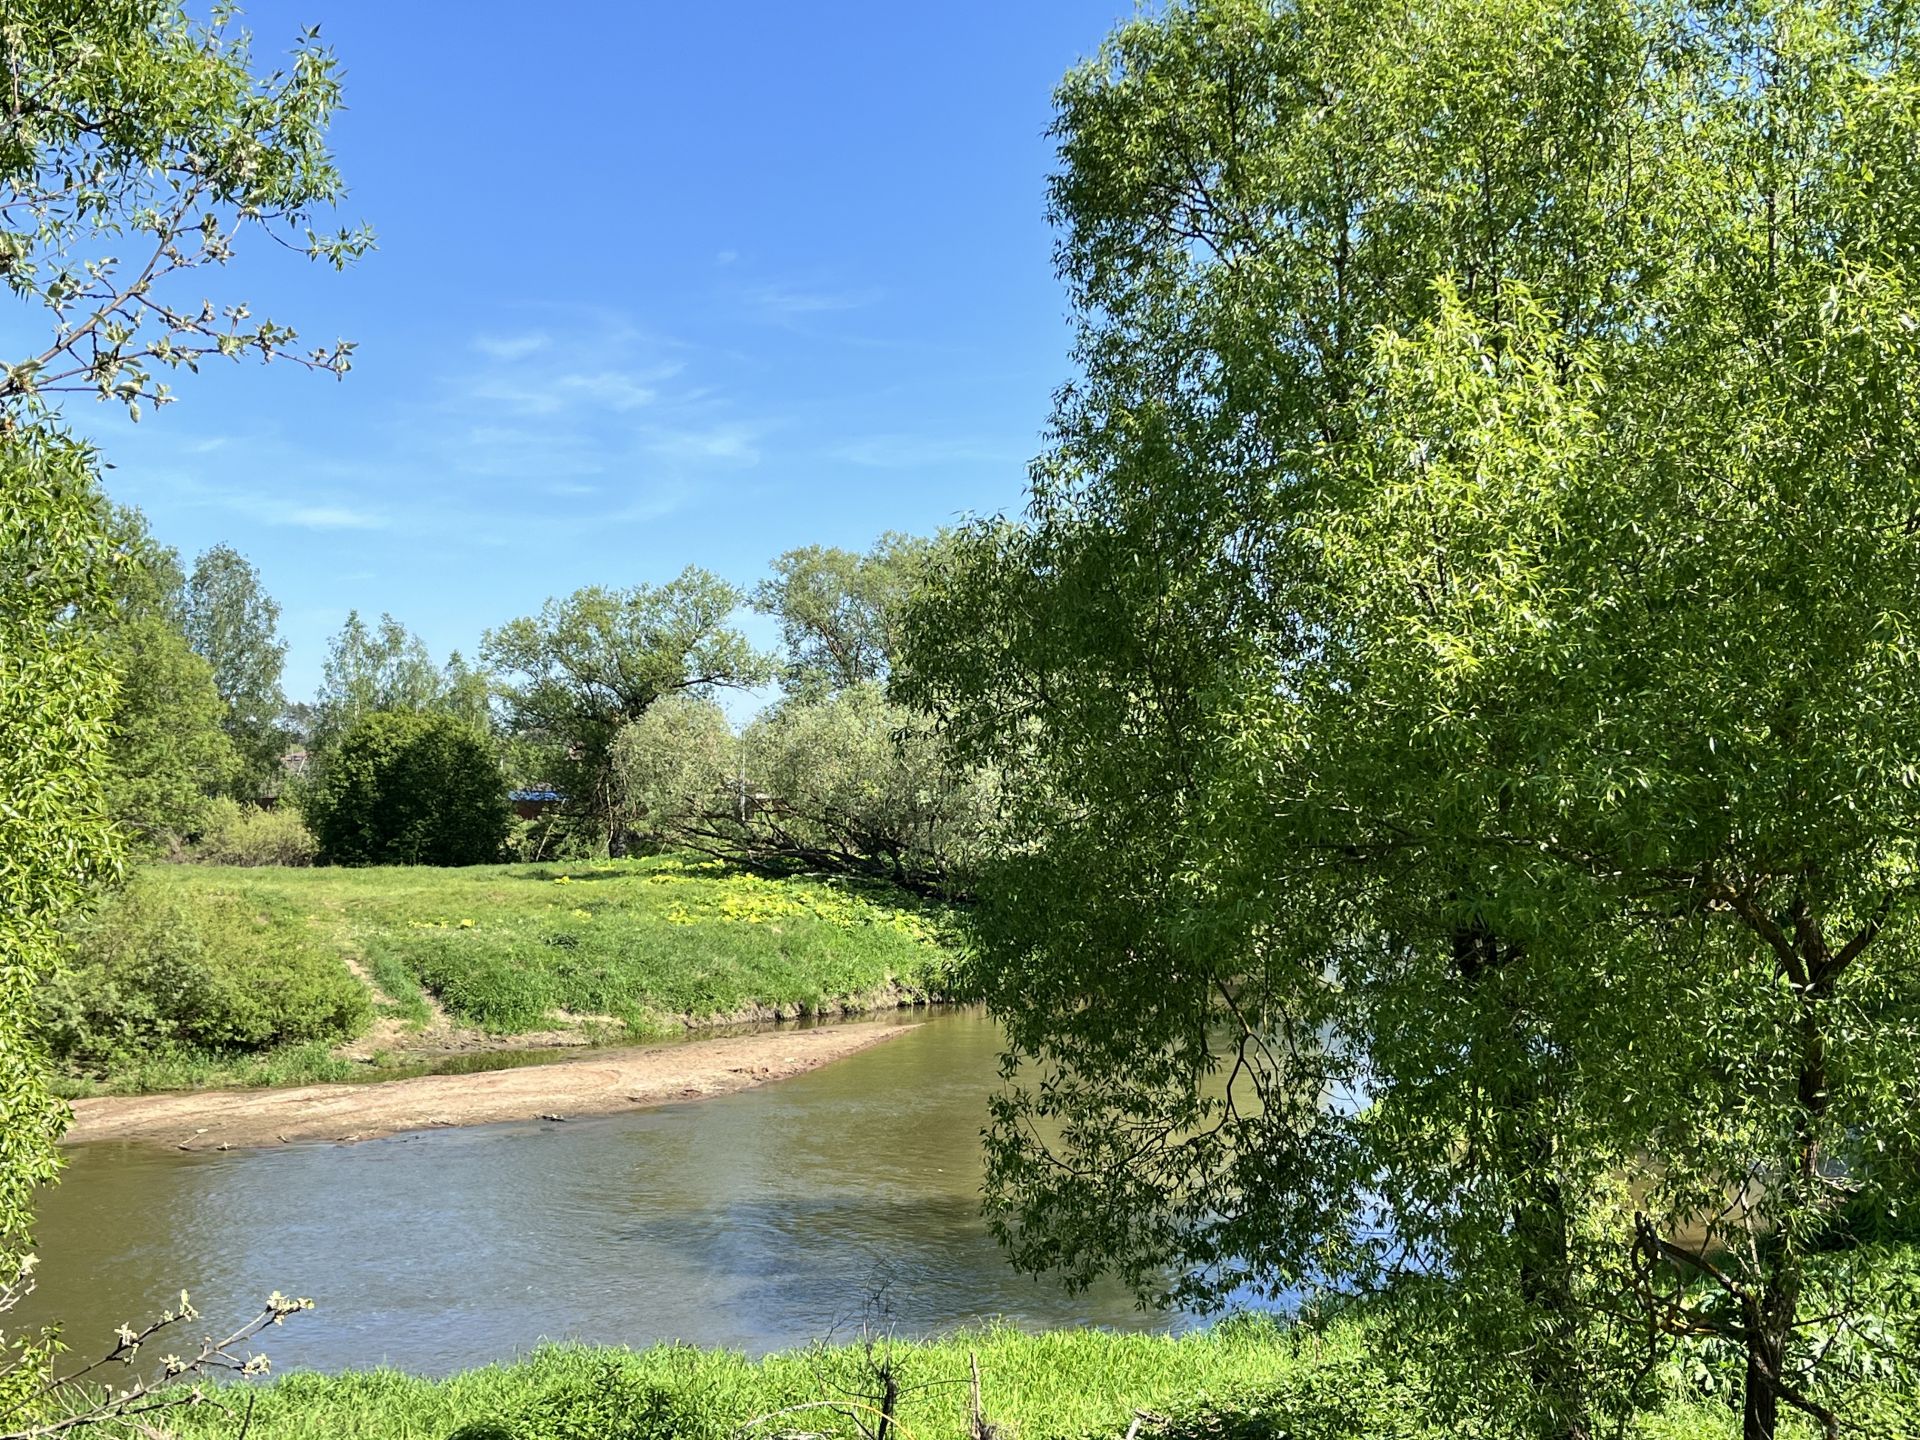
[(602, 1083)]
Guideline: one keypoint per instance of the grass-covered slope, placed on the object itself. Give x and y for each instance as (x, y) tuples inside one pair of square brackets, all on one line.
[(651, 942), (201, 975)]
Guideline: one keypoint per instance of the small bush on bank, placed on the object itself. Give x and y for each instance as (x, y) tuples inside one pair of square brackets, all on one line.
[(175, 1068), (234, 834), (160, 968)]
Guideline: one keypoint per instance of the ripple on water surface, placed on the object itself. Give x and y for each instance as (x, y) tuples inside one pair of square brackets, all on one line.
[(756, 1220)]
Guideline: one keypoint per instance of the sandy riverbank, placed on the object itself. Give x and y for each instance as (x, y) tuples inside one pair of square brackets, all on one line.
[(599, 1084)]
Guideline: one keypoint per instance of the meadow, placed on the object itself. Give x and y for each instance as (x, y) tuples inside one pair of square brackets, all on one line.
[(201, 974)]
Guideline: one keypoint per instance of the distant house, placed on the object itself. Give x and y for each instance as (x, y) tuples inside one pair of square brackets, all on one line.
[(531, 804)]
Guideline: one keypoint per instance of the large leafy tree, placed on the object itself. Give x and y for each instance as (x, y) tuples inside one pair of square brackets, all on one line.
[(598, 659), (145, 575), (840, 611), (858, 783), (140, 144), (168, 752), (852, 781), (1455, 683), (846, 781), (56, 693), (679, 767), (232, 623)]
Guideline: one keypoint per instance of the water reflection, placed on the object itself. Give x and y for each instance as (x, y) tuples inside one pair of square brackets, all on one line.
[(756, 1220)]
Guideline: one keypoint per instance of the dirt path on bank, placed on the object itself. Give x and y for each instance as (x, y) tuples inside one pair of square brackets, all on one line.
[(599, 1084)]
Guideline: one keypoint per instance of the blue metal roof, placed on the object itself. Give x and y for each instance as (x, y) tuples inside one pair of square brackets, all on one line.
[(518, 795)]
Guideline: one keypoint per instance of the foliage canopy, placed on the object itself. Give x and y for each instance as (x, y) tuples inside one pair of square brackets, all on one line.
[(1456, 685), (233, 624), (55, 693), (839, 611)]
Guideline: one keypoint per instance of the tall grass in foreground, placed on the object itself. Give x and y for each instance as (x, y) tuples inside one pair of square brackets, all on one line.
[(1247, 1379)]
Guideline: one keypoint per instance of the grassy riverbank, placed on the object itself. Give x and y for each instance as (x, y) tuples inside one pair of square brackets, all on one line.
[(208, 975), (1244, 1380)]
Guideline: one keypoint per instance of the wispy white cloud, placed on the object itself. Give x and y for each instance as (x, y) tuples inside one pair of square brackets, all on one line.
[(615, 399), (512, 347), (525, 393), (321, 507), (734, 444), (788, 302), (324, 517), (655, 502), (618, 390), (515, 397), (914, 452)]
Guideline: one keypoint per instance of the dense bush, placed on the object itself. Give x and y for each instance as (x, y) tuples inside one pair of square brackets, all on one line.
[(614, 1404), (235, 834), (167, 967), (405, 788)]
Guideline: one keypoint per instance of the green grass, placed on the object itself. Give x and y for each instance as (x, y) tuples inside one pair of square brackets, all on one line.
[(1248, 1379), (1068, 1383), (401, 995), (311, 1063), (654, 943)]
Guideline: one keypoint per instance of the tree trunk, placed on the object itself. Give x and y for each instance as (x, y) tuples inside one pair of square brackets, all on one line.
[(1771, 1323), (1540, 1218), (1762, 1401)]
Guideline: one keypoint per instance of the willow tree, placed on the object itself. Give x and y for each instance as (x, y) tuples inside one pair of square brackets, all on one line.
[(1455, 682), (138, 145)]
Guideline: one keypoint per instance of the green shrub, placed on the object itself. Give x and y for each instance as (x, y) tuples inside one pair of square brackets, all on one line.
[(162, 967), (233, 834), (612, 1404), (1340, 1400), (404, 788)]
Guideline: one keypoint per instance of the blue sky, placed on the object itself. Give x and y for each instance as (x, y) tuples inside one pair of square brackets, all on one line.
[(656, 286)]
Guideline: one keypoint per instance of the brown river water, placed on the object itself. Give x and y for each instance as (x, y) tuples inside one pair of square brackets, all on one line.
[(759, 1220)]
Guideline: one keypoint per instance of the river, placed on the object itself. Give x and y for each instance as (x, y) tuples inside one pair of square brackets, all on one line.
[(760, 1220)]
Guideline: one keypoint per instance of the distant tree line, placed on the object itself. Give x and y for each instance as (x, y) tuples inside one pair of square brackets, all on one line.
[(605, 697)]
